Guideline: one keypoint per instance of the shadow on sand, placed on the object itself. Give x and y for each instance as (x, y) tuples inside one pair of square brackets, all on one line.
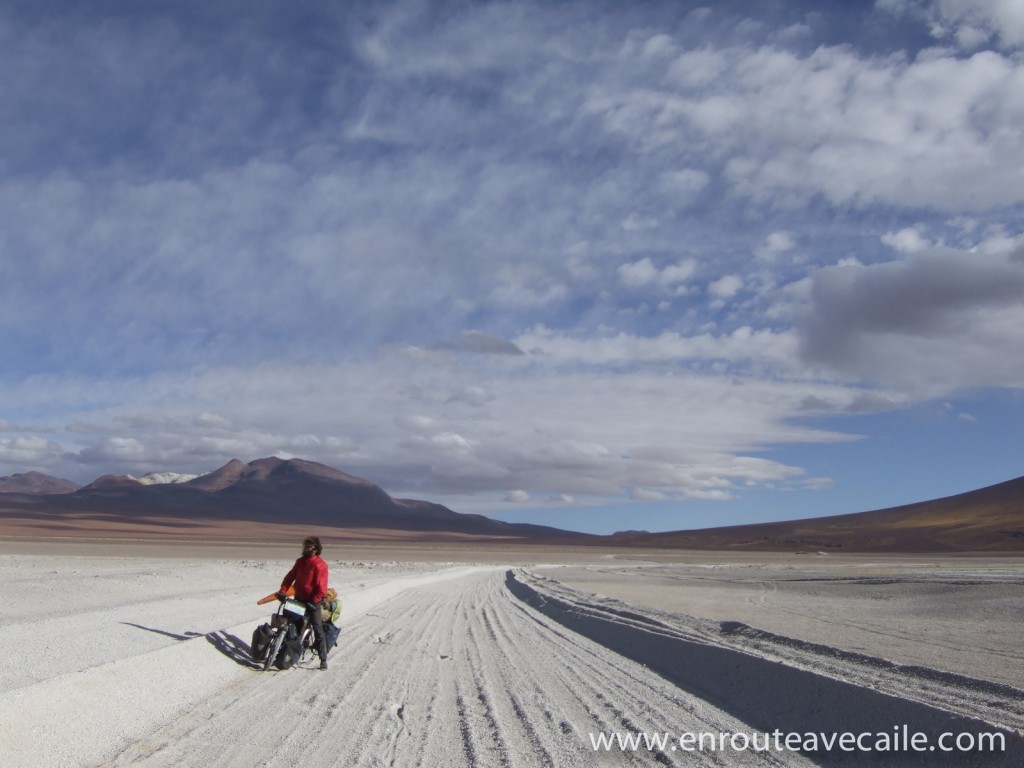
[(770, 696), (233, 647), (165, 633)]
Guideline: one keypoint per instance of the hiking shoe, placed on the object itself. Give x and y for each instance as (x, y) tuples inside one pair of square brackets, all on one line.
[(323, 664)]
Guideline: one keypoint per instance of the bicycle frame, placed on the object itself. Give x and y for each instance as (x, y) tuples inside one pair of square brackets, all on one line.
[(290, 612)]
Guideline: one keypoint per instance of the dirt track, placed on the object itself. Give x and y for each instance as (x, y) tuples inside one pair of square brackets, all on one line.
[(438, 666)]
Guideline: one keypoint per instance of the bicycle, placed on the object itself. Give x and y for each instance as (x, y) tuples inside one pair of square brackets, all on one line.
[(290, 621)]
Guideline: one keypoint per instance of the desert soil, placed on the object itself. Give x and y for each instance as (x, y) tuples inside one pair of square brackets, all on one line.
[(140, 657)]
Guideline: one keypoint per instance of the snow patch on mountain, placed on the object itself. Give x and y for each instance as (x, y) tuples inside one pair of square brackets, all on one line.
[(165, 478)]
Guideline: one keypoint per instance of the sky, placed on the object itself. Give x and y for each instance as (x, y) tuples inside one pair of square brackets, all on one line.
[(597, 265)]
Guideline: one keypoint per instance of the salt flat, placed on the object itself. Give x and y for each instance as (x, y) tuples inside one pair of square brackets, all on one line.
[(135, 656), (961, 615)]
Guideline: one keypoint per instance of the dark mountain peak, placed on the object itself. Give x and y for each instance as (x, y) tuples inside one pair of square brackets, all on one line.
[(261, 469), (110, 482), (300, 468), (36, 483), (221, 478), (272, 470)]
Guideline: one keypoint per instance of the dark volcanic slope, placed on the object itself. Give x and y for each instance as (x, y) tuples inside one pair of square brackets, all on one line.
[(268, 490), (34, 483), (987, 520)]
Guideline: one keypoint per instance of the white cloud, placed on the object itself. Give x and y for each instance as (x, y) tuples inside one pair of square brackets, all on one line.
[(775, 244), (698, 68), (907, 240), (29, 451), (639, 273), (726, 287), (674, 274), (643, 273), (842, 126)]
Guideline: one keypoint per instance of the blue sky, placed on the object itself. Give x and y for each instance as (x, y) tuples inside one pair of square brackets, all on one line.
[(597, 265)]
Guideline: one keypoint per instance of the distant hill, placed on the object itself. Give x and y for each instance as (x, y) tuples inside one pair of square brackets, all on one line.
[(987, 520), (243, 499), (36, 483), (269, 491)]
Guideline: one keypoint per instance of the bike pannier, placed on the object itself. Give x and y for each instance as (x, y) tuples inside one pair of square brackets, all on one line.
[(261, 637), (331, 632), (291, 650)]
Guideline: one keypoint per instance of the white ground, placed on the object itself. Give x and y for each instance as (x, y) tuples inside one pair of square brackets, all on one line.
[(143, 661)]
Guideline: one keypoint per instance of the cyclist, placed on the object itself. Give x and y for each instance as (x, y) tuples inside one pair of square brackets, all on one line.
[(309, 575)]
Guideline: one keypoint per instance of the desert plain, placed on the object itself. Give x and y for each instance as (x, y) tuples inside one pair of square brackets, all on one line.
[(137, 653)]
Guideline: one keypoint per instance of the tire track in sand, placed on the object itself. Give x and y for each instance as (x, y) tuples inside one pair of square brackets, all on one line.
[(455, 673)]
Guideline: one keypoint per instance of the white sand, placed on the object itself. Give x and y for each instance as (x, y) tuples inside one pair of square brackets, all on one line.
[(961, 615), (124, 661)]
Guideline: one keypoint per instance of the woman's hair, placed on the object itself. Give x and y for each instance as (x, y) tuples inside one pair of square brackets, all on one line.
[(312, 542)]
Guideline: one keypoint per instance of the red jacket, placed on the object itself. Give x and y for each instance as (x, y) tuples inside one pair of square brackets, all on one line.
[(309, 575)]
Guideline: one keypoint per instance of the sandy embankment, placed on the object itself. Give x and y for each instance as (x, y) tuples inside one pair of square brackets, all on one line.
[(143, 660)]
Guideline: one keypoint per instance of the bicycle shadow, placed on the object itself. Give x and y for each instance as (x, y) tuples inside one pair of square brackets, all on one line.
[(165, 633), (231, 646), (234, 648)]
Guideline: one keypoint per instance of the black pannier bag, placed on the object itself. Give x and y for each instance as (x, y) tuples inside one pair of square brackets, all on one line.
[(291, 650), (331, 632), (260, 645)]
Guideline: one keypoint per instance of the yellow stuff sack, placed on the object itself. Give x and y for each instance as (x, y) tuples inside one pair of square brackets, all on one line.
[(331, 606)]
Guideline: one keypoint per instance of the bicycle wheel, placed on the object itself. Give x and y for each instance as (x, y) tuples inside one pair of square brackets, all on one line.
[(308, 645), (275, 646)]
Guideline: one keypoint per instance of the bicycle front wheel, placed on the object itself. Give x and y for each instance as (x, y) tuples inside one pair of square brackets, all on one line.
[(275, 647)]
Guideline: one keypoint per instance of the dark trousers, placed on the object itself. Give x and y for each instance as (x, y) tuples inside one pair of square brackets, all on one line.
[(316, 619)]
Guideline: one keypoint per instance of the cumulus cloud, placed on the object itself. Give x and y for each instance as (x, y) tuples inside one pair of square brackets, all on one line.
[(638, 273), (726, 286), (775, 244), (906, 240), (643, 274), (934, 320), (30, 451)]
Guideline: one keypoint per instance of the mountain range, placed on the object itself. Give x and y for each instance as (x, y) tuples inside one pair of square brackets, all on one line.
[(243, 496), (989, 519), (255, 499)]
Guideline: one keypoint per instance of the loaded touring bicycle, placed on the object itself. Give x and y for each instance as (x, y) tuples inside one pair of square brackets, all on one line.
[(288, 638)]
